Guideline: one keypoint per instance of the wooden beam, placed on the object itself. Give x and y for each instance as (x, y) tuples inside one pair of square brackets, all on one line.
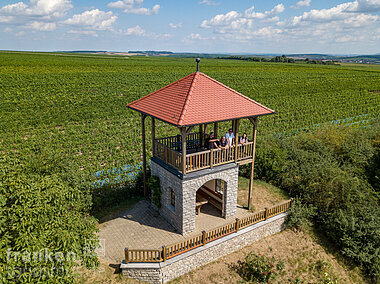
[(216, 130), (201, 134), (236, 139), (254, 122), (153, 135), (183, 137), (189, 130), (143, 116)]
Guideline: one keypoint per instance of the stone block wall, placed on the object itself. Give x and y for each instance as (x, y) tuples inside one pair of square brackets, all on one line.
[(184, 263), (182, 216)]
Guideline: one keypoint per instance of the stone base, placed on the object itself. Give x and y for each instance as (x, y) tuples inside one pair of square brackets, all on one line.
[(182, 215), (184, 263)]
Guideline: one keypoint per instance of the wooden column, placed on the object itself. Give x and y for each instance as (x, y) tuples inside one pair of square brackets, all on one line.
[(206, 128), (236, 139), (143, 116), (254, 122), (201, 135), (216, 130), (183, 138), (153, 135)]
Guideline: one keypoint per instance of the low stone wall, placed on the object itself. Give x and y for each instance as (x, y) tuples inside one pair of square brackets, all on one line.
[(184, 263)]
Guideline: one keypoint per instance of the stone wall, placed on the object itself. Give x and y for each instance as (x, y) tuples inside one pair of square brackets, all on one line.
[(184, 263), (182, 216), (168, 180)]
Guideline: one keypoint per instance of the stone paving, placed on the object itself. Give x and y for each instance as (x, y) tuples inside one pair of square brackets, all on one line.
[(141, 227)]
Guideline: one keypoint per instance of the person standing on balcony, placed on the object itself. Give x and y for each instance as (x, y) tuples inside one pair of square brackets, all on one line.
[(223, 142), (230, 137), (211, 142), (244, 139)]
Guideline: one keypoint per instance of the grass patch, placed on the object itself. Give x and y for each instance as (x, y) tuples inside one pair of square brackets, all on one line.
[(264, 194)]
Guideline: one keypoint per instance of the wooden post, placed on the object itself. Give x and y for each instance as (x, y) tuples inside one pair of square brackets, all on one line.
[(206, 128), (203, 237), (143, 116), (266, 213), (153, 136), (126, 255), (211, 158), (236, 139), (237, 224), (254, 122), (216, 130), (164, 256), (201, 138), (183, 137)]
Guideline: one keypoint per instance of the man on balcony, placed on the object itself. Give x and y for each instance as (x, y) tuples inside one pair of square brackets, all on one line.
[(230, 137)]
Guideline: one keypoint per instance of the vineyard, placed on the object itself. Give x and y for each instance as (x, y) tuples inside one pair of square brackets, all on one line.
[(75, 106)]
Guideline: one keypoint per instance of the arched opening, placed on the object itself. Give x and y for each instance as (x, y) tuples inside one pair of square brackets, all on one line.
[(210, 198)]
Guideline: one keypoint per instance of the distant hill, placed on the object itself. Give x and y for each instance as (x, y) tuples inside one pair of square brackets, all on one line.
[(357, 58)]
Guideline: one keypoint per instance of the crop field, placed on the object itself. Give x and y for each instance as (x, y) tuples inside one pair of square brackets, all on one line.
[(75, 105)]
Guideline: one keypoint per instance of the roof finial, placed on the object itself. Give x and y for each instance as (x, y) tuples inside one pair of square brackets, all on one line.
[(198, 60)]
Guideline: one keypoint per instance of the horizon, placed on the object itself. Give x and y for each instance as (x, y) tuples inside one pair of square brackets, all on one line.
[(200, 26), (189, 52)]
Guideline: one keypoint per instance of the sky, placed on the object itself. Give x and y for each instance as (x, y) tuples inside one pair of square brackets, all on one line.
[(209, 26)]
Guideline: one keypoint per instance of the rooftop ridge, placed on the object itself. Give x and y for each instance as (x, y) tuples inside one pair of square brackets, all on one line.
[(186, 104), (163, 88), (236, 92)]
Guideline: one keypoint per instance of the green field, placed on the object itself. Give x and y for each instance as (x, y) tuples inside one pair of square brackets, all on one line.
[(75, 105)]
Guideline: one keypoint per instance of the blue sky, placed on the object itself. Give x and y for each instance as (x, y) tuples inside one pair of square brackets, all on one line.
[(304, 26)]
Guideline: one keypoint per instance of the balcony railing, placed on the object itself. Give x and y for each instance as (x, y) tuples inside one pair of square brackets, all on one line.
[(169, 150)]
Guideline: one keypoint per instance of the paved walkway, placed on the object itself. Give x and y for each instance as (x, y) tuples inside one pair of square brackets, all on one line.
[(141, 227)]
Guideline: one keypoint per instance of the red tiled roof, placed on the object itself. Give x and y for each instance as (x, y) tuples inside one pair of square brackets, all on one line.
[(197, 99)]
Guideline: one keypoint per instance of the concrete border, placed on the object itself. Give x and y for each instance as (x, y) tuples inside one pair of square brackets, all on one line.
[(182, 264)]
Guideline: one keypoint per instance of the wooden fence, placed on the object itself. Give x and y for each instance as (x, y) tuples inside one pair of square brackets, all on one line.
[(170, 251)]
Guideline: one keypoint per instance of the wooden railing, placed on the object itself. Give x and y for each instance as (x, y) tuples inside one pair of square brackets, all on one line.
[(168, 155), (168, 149), (193, 141), (205, 237)]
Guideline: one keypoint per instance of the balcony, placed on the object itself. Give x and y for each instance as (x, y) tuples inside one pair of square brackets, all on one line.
[(169, 150)]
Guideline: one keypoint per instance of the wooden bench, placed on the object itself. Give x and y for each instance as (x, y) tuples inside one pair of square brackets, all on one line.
[(214, 198), (200, 201)]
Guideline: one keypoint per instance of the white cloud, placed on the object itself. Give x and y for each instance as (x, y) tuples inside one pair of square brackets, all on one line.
[(137, 31), (93, 20), (196, 36), (335, 25), (134, 7), (221, 20), (304, 3), (250, 13), (209, 3), (39, 15), (341, 11), (41, 26), (267, 32), (83, 32), (175, 26), (46, 9)]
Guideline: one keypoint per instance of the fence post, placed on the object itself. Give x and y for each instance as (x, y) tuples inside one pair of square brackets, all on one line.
[(203, 237), (266, 213), (237, 225), (211, 158), (126, 255), (164, 256)]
